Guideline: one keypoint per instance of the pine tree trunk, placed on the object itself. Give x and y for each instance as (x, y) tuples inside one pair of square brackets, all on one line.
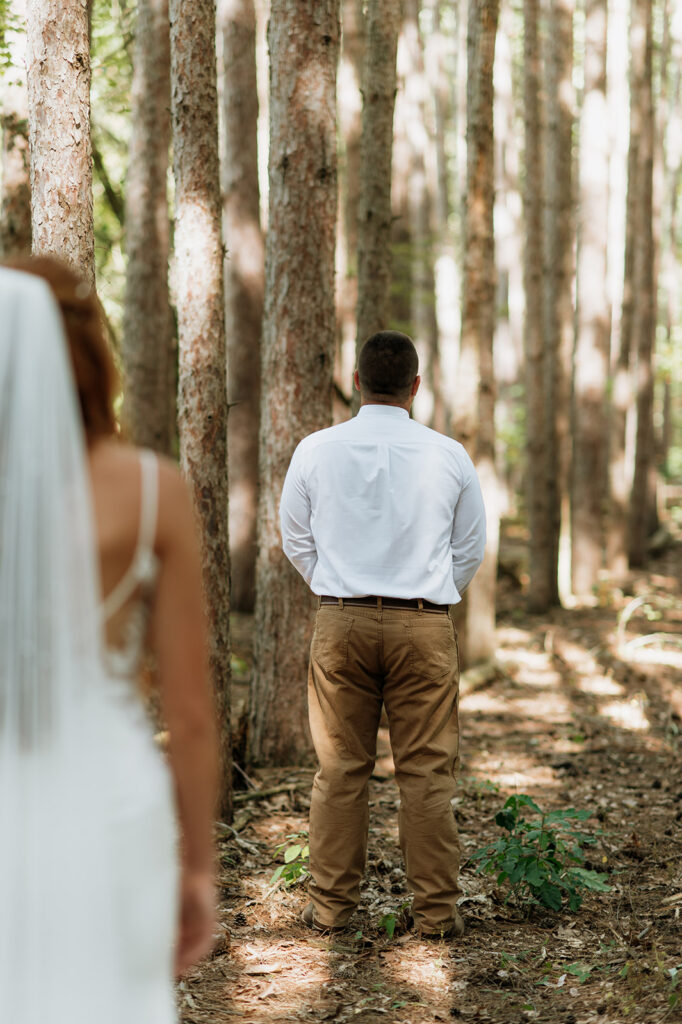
[(350, 130), (148, 328), (590, 428), (509, 253), (58, 65), (620, 465), (374, 226), (244, 285), (15, 205), (440, 61), (644, 325), (298, 348), (559, 315), (476, 399), (428, 405), (540, 589), (202, 400)]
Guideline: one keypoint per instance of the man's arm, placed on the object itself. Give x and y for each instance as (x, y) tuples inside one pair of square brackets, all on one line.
[(468, 531), (294, 517)]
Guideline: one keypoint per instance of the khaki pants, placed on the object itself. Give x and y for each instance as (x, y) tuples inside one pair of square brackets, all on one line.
[(407, 659)]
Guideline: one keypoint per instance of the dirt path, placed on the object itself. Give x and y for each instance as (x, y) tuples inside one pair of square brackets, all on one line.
[(582, 713)]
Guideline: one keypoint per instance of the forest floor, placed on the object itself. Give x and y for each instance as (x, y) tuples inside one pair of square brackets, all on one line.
[(581, 712)]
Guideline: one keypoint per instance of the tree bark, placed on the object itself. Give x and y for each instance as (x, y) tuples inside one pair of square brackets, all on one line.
[(202, 400), (620, 459), (421, 198), (15, 208), (298, 348), (244, 285), (540, 587), (350, 130), (474, 423), (148, 327), (559, 316), (591, 371), (58, 64), (374, 226), (644, 322)]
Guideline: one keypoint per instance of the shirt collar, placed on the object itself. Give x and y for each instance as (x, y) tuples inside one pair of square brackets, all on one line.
[(393, 411)]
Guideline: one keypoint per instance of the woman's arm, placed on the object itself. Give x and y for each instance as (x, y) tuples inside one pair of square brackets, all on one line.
[(179, 639)]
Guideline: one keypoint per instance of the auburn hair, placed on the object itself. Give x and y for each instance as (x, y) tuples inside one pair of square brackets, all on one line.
[(91, 359)]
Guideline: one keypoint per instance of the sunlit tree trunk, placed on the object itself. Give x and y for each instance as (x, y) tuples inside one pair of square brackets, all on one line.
[(58, 66), (475, 402), (558, 305), (350, 129), (148, 328), (620, 457), (298, 348), (421, 201), (374, 223), (644, 321), (440, 61), (540, 588), (244, 284), (591, 369), (15, 208), (509, 248), (202, 400)]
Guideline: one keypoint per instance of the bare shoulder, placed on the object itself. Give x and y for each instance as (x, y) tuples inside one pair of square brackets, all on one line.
[(176, 515)]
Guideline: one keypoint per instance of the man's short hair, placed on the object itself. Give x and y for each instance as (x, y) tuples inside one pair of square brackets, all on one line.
[(388, 365)]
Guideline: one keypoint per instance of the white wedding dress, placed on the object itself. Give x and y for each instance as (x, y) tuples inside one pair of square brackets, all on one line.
[(88, 858)]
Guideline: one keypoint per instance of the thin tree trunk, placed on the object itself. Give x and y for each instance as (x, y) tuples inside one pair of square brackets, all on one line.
[(440, 65), (374, 226), (15, 208), (350, 129), (474, 426), (298, 348), (644, 326), (591, 370), (148, 328), (58, 65), (244, 286), (559, 311), (509, 248), (421, 198), (620, 468), (540, 593), (202, 401)]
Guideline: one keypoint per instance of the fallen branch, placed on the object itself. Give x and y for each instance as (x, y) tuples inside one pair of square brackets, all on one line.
[(479, 676), (263, 794)]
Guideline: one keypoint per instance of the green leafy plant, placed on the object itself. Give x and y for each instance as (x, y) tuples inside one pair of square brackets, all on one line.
[(542, 856), (296, 855), (389, 921)]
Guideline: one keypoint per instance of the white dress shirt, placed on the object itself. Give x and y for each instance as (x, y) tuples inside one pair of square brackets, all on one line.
[(383, 505)]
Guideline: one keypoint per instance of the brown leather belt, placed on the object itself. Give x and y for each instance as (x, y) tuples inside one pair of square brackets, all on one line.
[(386, 602)]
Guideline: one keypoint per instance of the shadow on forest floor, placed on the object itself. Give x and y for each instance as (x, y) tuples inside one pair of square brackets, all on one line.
[(581, 713)]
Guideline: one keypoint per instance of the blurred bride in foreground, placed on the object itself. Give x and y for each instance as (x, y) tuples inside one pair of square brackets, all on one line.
[(105, 851)]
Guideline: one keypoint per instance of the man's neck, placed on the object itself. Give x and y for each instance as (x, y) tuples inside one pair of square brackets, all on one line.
[(391, 405)]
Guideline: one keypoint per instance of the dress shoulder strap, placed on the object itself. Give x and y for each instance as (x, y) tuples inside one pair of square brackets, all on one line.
[(144, 550)]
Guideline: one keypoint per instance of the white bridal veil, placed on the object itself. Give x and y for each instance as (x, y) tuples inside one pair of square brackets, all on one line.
[(57, 944)]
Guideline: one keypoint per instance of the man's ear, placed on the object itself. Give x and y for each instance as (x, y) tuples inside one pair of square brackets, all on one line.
[(356, 380), (415, 386)]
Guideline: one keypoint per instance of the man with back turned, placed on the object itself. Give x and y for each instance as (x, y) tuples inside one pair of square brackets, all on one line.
[(384, 519)]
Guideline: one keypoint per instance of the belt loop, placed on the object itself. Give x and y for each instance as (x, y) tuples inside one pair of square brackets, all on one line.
[(379, 605), (319, 602), (341, 603), (420, 605)]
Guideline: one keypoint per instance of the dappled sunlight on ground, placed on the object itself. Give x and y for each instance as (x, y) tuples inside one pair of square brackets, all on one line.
[(627, 714), (583, 710)]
